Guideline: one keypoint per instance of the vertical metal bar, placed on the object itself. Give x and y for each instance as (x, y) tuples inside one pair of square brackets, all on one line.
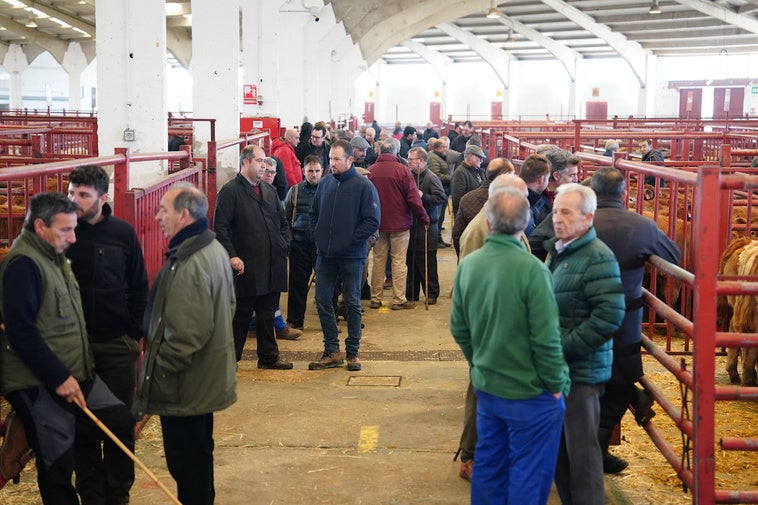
[(706, 262), (120, 182)]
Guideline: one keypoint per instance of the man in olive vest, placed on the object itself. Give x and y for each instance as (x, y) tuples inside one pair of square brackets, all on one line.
[(46, 364)]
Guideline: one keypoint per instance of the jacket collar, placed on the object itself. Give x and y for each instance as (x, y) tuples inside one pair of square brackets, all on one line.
[(607, 202), (507, 240), (578, 243), (347, 175)]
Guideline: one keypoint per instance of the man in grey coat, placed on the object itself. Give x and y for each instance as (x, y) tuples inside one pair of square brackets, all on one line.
[(189, 370)]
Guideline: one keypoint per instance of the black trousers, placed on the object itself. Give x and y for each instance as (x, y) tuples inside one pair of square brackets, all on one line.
[(614, 402), (415, 281), (99, 461), (188, 444), (52, 425), (264, 307), (302, 264)]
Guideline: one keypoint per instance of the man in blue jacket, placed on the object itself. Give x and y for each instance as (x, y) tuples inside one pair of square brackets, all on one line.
[(590, 298), (344, 215)]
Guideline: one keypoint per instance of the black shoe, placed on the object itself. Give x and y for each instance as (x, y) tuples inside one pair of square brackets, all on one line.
[(613, 464), (279, 364), (442, 244)]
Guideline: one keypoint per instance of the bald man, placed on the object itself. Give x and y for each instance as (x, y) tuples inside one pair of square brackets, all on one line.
[(284, 149)]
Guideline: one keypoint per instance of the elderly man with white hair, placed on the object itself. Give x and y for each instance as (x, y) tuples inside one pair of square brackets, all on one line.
[(590, 296)]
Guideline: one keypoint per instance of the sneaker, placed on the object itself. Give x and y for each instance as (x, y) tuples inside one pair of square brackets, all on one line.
[(375, 305), (14, 449), (467, 469), (402, 306), (328, 360), (288, 333), (353, 363), (279, 364)]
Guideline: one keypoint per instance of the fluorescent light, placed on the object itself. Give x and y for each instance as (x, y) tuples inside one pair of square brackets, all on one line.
[(15, 3), (31, 23), (655, 8)]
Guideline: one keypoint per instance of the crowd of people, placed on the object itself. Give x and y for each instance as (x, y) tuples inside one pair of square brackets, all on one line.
[(549, 377)]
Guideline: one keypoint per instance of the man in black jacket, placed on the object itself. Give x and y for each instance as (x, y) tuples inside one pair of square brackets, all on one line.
[(250, 224), (108, 264), (633, 239)]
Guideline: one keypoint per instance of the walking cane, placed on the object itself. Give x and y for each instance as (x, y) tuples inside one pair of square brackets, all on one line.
[(426, 267), (126, 451)]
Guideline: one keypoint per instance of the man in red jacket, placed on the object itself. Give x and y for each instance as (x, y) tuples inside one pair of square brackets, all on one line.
[(398, 200), (284, 149)]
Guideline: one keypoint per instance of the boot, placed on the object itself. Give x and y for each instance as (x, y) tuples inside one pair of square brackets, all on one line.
[(611, 463)]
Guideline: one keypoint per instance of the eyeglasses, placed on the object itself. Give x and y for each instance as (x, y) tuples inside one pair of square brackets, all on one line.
[(413, 159), (269, 172), (316, 137)]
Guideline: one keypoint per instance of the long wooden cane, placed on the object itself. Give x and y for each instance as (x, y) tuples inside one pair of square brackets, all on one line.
[(126, 451), (426, 267)]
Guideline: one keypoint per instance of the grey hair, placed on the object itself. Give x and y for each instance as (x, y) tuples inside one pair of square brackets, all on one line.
[(190, 198), (270, 162), (46, 206), (589, 199), (503, 181), (389, 146), (507, 211)]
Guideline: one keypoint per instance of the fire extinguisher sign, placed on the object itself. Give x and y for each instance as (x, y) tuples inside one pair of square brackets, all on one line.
[(249, 94)]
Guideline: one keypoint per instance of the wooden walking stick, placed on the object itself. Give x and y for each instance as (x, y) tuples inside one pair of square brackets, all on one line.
[(126, 451), (426, 267)]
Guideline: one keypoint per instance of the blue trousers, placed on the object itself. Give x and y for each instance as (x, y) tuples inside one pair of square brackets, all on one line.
[(517, 449), (328, 270)]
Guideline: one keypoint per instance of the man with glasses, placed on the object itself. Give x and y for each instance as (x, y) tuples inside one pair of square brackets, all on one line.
[(399, 200), (250, 224), (344, 215), (422, 248), (317, 146)]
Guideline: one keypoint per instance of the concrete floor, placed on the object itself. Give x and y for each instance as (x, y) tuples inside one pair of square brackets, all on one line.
[(384, 435)]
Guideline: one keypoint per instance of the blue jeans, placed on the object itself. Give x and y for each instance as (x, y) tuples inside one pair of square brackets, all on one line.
[(517, 449), (350, 271)]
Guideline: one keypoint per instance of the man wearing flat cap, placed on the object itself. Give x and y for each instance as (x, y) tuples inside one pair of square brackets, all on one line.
[(468, 176), (361, 147)]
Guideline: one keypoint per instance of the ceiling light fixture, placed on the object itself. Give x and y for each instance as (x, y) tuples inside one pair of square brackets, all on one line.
[(30, 23), (655, 8), (493, 12)]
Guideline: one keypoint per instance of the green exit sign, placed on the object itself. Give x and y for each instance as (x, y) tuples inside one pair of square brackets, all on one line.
[(755, 90)]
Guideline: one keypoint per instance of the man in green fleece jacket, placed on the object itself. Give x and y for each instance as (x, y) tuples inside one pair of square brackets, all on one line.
[(505, 319)]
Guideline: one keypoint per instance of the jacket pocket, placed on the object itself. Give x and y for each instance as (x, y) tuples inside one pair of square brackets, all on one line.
[(165, 388)]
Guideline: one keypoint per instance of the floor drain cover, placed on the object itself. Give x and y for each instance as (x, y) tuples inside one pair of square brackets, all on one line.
[(374, 380)]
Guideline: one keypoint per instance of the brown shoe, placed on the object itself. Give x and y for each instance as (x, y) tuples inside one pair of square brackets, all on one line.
[(279, 364), (353, 363), (467, 469), (402, 306), (15, 450), (328, 360), (288, 334)]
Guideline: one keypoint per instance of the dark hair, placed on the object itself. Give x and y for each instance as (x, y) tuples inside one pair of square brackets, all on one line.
[(312, 158), (46, 206), (608, 182), (469, 124), (90, 175), (345, 145), (534, 167), (248, 153), (573, 159), (190, 198), (409, 130), (321, 126)]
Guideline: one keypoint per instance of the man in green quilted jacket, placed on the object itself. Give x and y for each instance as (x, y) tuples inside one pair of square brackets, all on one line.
[(590, 297)]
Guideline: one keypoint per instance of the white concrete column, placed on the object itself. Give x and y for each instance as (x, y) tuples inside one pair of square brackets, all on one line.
[(216, 90), (261, 61), (15, 63), (74, 63), (646, 102), (131, 80)]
